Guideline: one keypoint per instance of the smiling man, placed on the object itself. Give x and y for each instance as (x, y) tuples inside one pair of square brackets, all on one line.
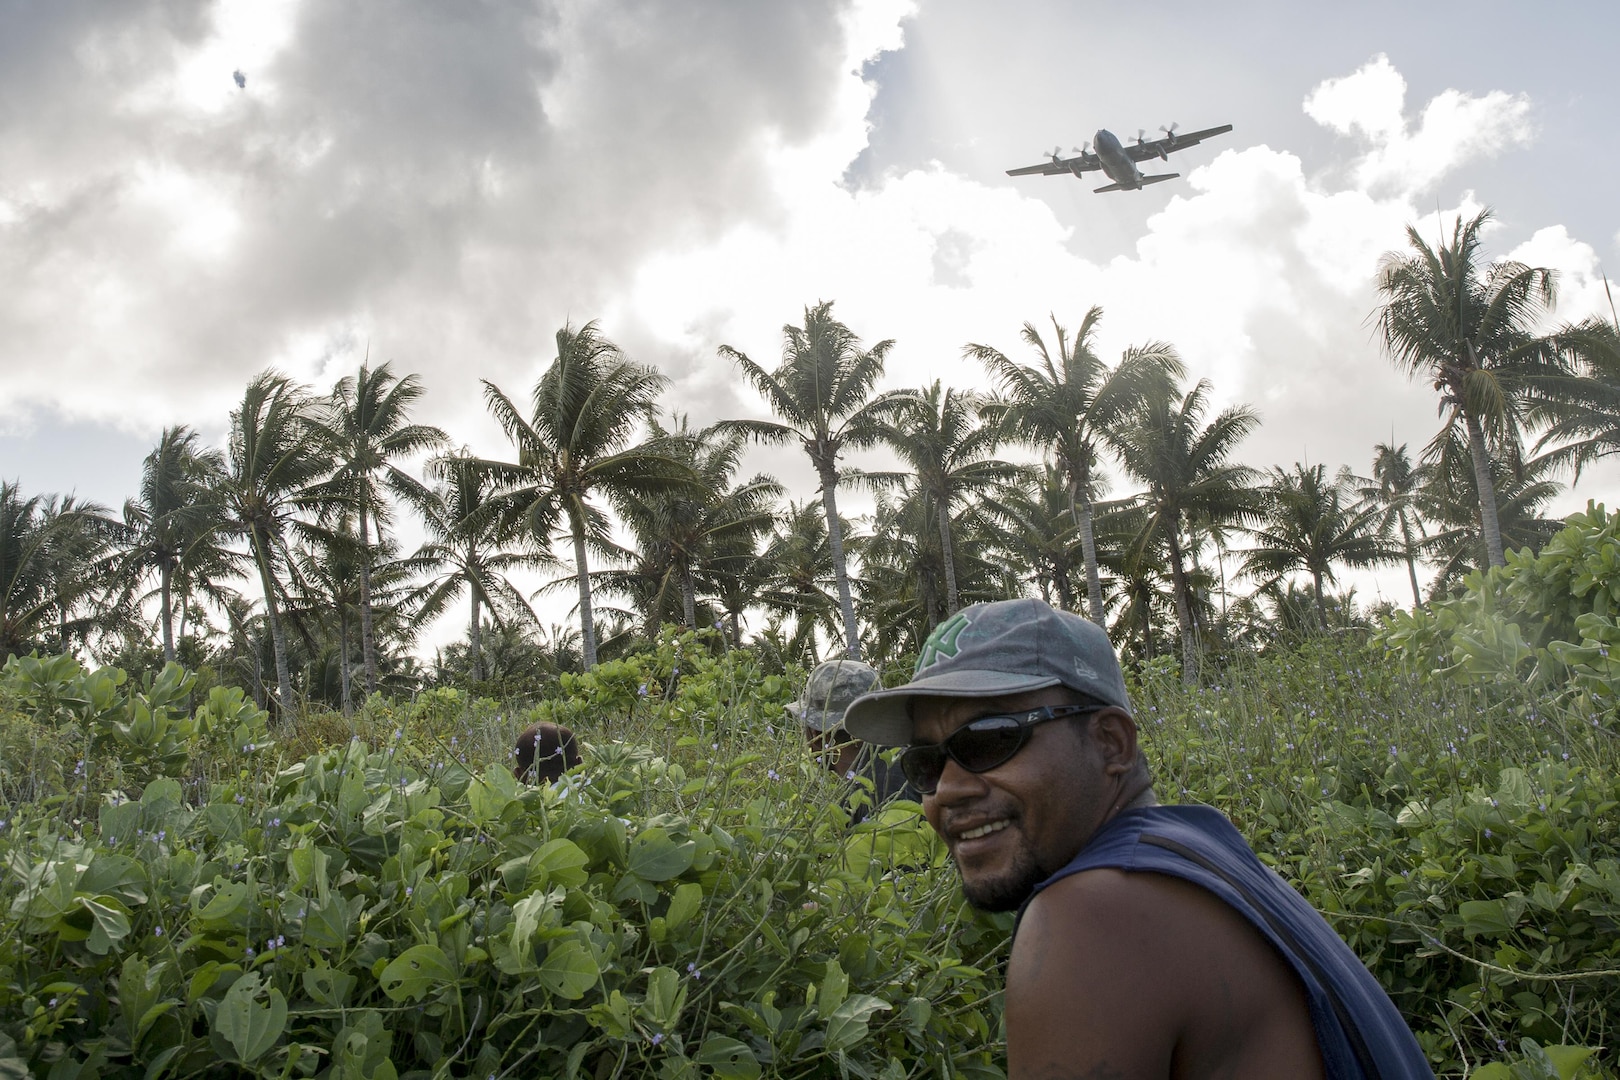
[(1151, 941)]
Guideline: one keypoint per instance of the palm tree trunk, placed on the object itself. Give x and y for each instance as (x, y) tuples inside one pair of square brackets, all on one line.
[(1189, 644), (1411, 564), (368, 647), (166, 612), (1321, 605), (951, 600), (689, 597), (587, 624), (835, 538), (278, 637), (1065, 591), (1489, 524), (343, 662), (1080, 510), (474, 642)]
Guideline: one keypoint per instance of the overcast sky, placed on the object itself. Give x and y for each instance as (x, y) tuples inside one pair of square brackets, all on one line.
[(447, 184)]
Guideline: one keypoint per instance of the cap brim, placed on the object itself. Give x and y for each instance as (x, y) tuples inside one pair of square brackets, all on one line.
[(884, 716)]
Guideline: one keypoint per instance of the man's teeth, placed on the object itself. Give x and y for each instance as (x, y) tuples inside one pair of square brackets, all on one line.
[(984, 830)]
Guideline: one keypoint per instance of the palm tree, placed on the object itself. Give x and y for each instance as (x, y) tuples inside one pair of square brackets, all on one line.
[(1584, 409), (46, 545), (1074, 404), (367, 426), (1448, 499), (276, 459), (1186, 466), (1308, 523), (571, 448), (1471, 331), (176, 526), (937, 433), (686, 528), (1393, 488), (820, 391), (469, 546), (76, 567), (1034, 529), (802, 581)]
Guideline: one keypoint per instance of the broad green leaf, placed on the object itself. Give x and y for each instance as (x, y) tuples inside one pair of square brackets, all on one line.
[(1568, 1059), (111, 924), (666, 997), (250, 1028), (227, 903), (655, 856), (529, 914), (728, 1058), (328, 923), (416, 971), (684, 904), (1492, 917), (834, 989), (564, 863), (327, 986), (569, 970), (116, 875), (848, 1023)]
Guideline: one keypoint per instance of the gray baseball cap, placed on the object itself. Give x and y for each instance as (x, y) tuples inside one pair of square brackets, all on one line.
[(991, 650), (829, 690)]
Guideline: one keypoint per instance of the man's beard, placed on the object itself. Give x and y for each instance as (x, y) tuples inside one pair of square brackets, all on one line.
[(1007, 891)]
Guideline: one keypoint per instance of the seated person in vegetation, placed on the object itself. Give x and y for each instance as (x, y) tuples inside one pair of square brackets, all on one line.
[(543, 753), (827, 693), (1151, 941)]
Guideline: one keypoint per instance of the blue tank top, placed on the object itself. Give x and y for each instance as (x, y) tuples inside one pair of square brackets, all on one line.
[(1360, 1032)]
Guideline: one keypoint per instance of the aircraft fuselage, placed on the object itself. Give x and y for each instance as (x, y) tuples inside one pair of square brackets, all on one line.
[(1116, 163)]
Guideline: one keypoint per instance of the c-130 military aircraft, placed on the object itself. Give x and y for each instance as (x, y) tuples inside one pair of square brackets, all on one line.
[(1118, 161)]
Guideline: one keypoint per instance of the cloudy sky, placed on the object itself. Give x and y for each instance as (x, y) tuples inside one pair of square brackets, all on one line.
[(447, 184)]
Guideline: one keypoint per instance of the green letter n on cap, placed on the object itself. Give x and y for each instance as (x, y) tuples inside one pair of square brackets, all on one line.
[(942, 642)]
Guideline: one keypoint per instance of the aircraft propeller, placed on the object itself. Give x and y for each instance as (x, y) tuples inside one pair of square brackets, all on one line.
[(1141, 136), (1170, 132), (1083, 148), (1056, 150)]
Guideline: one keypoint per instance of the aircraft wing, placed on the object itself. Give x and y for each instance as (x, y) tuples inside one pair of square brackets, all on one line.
[(1060, 166), (1144, 151)]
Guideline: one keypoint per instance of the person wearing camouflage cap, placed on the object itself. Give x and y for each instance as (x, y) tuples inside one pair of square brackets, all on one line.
[(1151, 941), (827, 693)]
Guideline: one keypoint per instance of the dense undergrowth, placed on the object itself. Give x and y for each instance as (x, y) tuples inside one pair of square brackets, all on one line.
[(187, 891)]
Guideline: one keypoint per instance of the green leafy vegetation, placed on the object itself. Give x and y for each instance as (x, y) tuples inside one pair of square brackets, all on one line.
[(694, 902)]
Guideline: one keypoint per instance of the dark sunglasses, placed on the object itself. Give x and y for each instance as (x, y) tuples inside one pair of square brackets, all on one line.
[(979, 745)]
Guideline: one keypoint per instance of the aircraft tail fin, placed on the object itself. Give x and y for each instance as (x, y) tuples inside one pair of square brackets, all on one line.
[(1106, 187), (1146, 180)]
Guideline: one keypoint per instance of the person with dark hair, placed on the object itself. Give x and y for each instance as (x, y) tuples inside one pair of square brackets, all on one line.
[(1151, 941), (544, 752), (827, 693)]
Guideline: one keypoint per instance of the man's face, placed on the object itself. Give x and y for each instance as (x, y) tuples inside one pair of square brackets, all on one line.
[(1014, 826)]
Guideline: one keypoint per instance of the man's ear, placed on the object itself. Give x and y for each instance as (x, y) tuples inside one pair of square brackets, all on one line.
[(1115, 733)]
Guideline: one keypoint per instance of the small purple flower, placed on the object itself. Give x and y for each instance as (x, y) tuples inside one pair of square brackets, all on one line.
[(250, 952), (770, 774), (239, 800), (275, 823), (408, 891), (692, 970), (641, 691), (658, 1038), (157, 932)]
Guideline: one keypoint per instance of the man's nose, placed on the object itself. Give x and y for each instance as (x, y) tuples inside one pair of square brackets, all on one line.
[(957, 785)]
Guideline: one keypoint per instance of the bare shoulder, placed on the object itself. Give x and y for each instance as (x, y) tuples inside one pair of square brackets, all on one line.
[(1153, 977)]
